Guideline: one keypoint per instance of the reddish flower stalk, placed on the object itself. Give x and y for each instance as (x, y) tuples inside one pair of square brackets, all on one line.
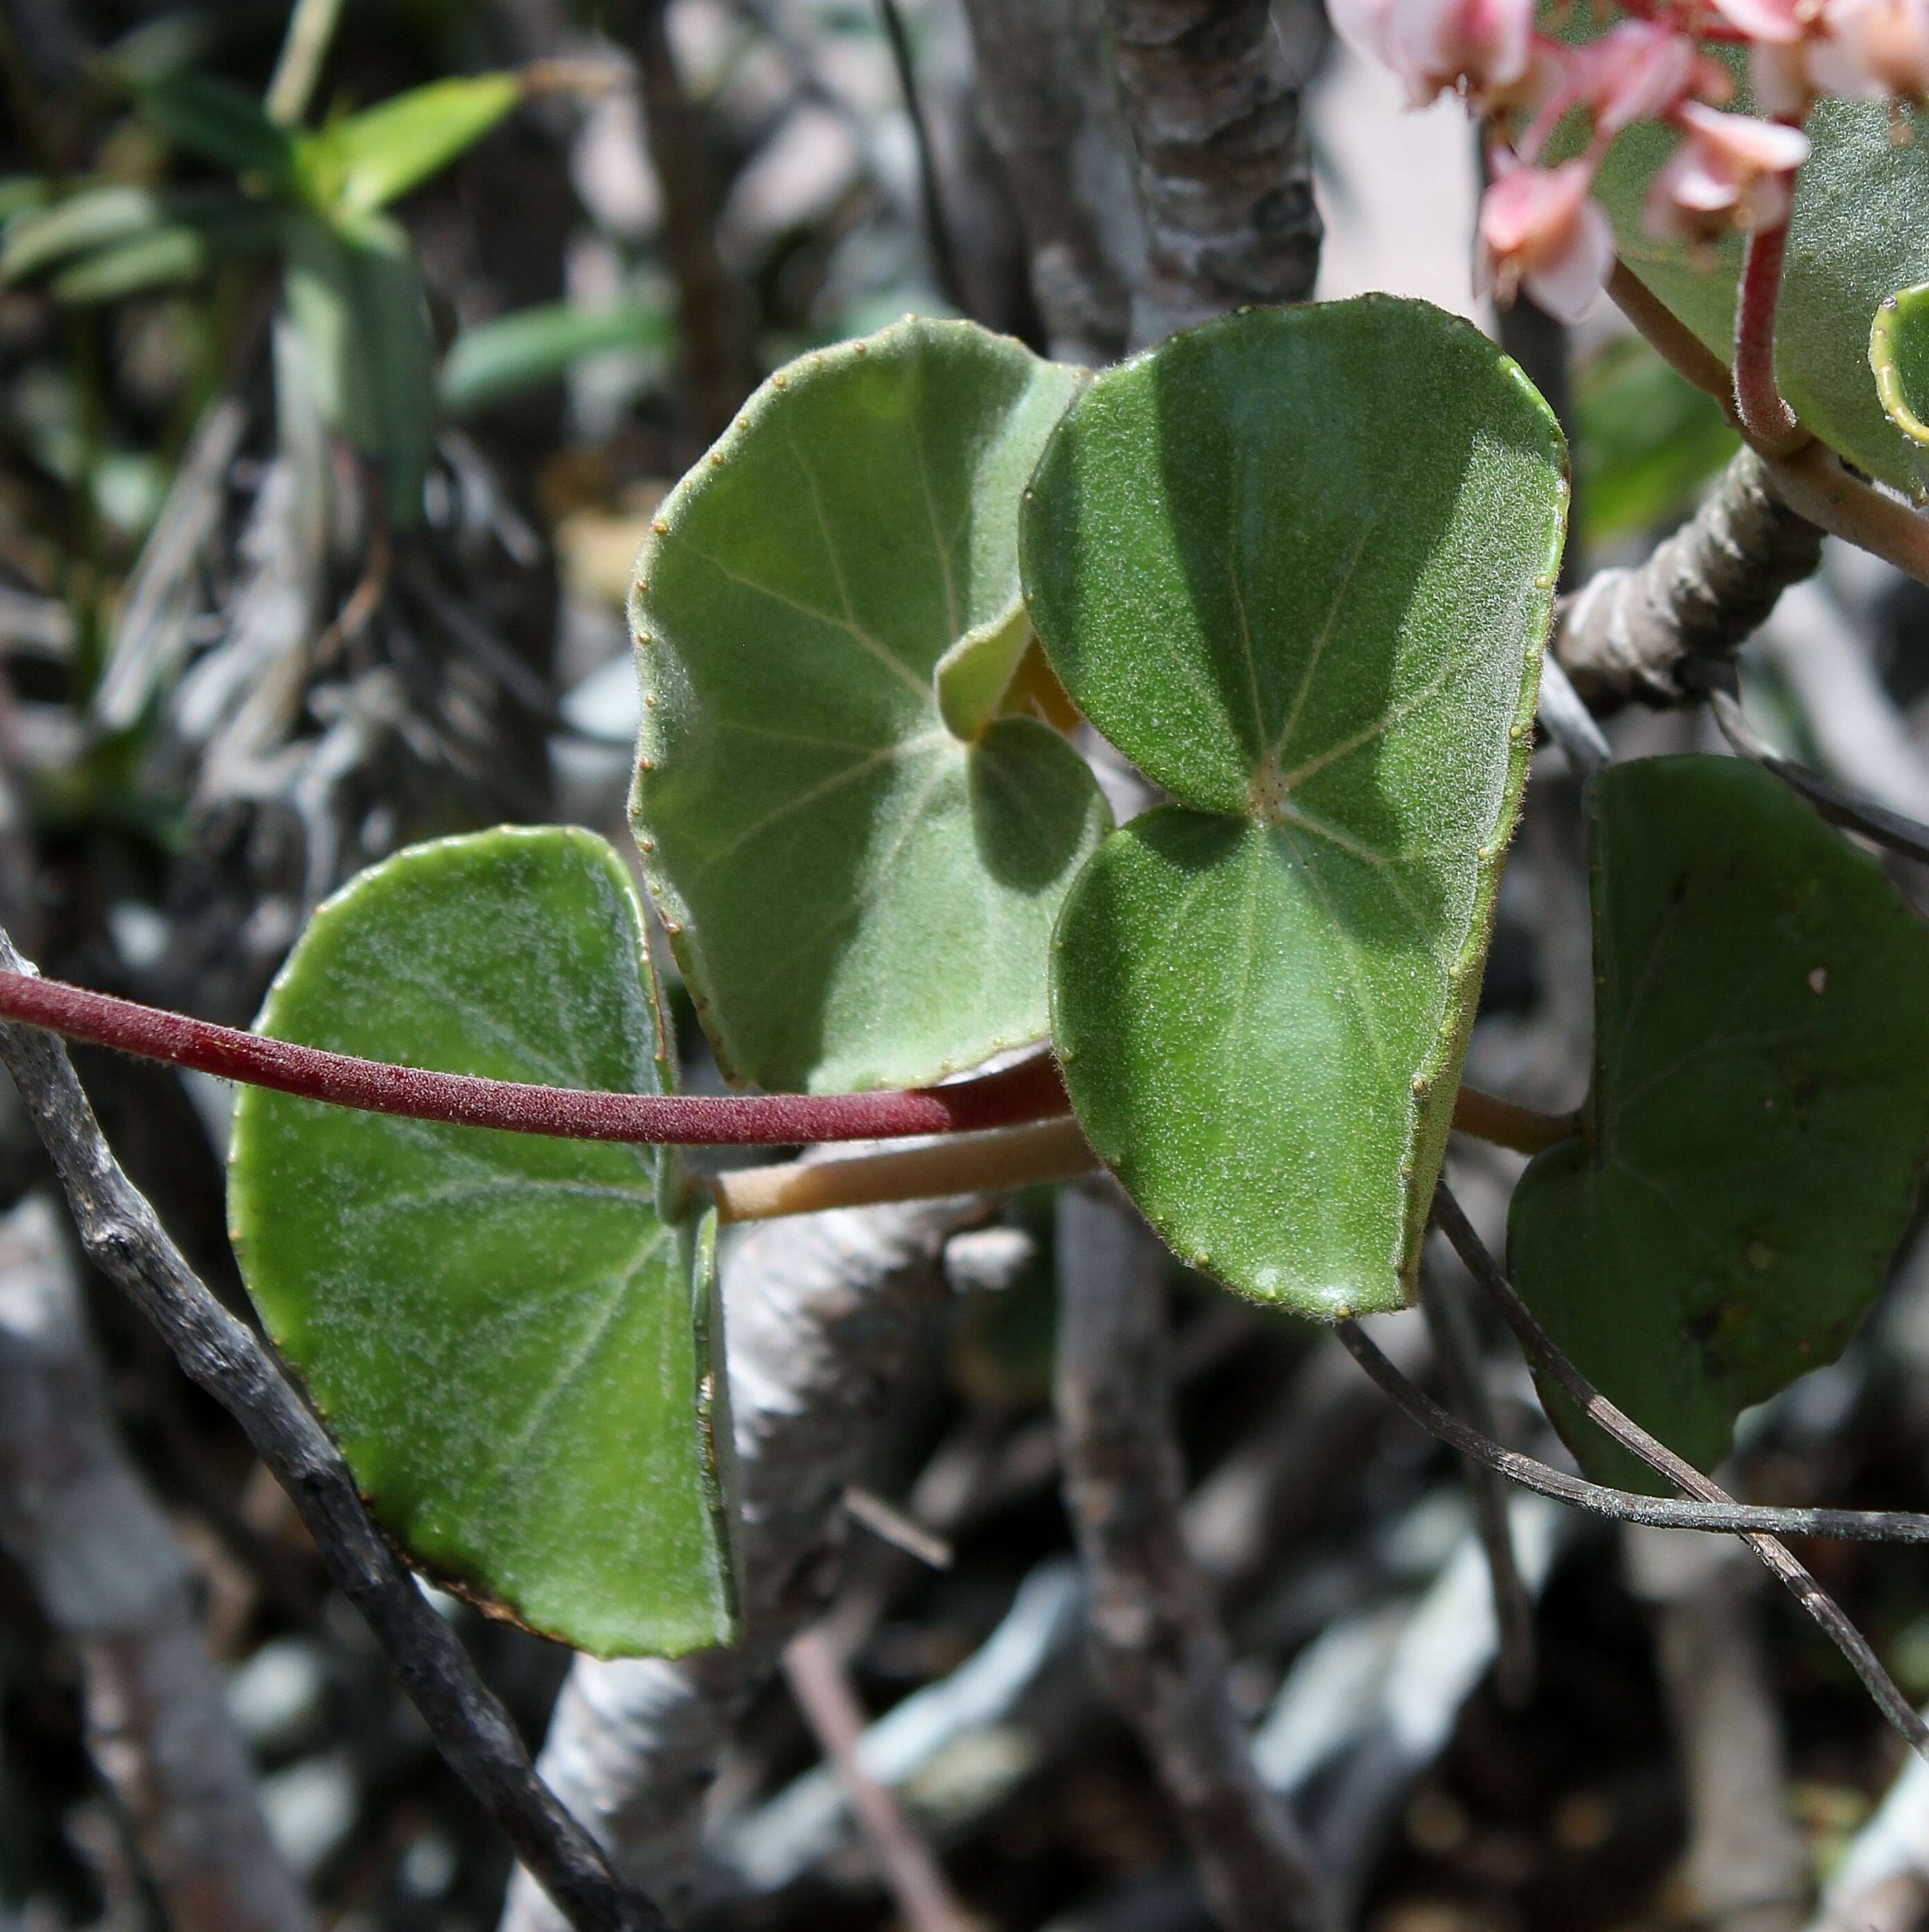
[(1766, 419), (1028, 1091)]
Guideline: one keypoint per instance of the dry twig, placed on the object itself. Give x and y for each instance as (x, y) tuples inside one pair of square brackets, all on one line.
[(1827, 1614), (916, 1880), (1158, 1642), (110, 1574), (118, 1230), (1625, 635), (714, 320), (1457, 1345)]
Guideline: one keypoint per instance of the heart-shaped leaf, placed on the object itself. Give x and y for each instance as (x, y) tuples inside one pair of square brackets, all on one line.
[(1298, 564), (1860, 232), (1761, 1107), (859, 897), (511, 1343)]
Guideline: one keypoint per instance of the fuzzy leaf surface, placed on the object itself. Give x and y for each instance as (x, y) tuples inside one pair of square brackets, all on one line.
[(507, 1338), (1761, 1108), (1297, 564), (859, 897)]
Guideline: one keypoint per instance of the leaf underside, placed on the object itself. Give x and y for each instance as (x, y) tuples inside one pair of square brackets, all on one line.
[(1761, 1108), (1297, 565), (508, 1340), (859, 897)]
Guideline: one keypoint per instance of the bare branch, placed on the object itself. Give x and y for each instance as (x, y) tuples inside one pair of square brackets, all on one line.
[(1225, 179), (1623, 636), (1630, 1434), (118, 1230), (1724, 1517), (1159, 1642), (109, 1573), (1046, 104)]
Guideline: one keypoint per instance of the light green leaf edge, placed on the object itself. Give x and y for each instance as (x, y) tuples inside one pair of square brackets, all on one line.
[(356, 166), (1899, 359), (302, 1273), (1436, 1080), (916, 1039)]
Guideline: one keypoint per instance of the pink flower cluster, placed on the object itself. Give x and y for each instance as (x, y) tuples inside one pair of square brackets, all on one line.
[(1540, 227)]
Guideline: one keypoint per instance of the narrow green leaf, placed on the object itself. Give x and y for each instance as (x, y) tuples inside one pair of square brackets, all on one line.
[(1761, 1108), (355, 291), (516, 353), (514, 1349), (39, 238), (858, 897), (1298, 564), (218, 120), (167, 257), (372, 158)]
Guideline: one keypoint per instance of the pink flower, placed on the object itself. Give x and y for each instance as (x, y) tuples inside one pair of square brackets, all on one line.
[(1779, 22), (1436, 45), (1539, 229), (1732, 171), (1640, 70), (1872, 49)]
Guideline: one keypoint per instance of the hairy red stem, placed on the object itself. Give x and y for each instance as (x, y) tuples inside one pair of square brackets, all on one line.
[(1031, 1090), (1766, 419)]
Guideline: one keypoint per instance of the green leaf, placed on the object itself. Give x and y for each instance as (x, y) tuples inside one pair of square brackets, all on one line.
[(1646, 443), (355, 291), (1761, 1107), (1860, 231), (501, 358), (97, 217), (167, 257), (1298, 564), (218, 120), (857, 897), (512, 1346), (356, 166)]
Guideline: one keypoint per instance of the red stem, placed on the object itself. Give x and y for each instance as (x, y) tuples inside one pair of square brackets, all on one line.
[(1030, 1090), (1766, 420)]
